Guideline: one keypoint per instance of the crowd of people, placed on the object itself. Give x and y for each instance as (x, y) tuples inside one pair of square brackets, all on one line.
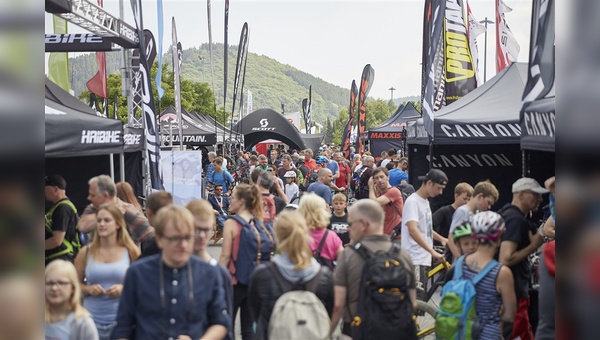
[(307, 226)]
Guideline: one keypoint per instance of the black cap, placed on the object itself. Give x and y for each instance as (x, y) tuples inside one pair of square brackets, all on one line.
[(56, 181), (436, 176)]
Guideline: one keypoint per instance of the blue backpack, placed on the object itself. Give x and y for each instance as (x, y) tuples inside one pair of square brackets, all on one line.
[(256, 246), (456, 318)]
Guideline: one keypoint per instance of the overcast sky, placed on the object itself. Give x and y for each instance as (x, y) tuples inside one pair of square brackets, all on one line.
[(332, 40)]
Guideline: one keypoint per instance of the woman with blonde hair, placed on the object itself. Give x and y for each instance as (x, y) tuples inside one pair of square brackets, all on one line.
[(65, 318), (247, 242), (125, 193), (325, 245), (291, 267), (103, 264)]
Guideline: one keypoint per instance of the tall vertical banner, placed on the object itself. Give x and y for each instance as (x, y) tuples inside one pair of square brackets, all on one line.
[(366, 81), (158, 77), (348, 129), (177, 57), (150, 49), (474, 29), (116, 107), (305, 113), (150, 127), (225, 63), (245, 58), (238, 69), (58, 62), (433, 62), (97, 84), (249, 104), (507, 47), (460, 71), (540, 77), (309, 110), (212, 66)]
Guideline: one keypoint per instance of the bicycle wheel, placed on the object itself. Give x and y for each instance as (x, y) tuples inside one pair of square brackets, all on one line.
[(426, 322)]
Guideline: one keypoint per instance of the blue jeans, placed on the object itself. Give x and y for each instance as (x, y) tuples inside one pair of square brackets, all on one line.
[(105, 331)]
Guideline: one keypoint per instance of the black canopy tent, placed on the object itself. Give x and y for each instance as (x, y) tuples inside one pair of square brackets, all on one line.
[(538, 122), (78, 144), (313, 141), (389, 134), (266, 124), (193, 132), (475, 138), (209, 123)]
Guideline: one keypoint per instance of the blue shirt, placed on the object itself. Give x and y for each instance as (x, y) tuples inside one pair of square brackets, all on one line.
[(321, 190), (397, 176), (221, 178), (333, 166), (141, 306)]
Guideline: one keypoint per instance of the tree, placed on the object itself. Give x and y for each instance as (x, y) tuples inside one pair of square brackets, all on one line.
[(338, 127), (195, 96), (377, 112)]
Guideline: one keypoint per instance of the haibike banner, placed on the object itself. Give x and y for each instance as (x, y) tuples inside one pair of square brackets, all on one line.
[(151, 130), (460, 72), (77, 42)]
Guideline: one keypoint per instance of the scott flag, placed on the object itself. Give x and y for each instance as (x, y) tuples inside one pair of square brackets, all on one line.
[(507, 47), (366, 81)]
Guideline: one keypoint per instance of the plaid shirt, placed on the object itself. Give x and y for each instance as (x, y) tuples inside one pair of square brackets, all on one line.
[(209, 171), (137, 224)]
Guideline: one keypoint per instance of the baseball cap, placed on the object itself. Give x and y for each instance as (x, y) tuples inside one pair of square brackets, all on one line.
[(526, 183), (436, 176), (55, 181)]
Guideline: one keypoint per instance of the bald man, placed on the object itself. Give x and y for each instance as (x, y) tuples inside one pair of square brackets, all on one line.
[(322, 186), (365, 224)]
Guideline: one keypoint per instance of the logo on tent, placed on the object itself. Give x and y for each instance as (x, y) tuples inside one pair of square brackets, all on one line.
[(263, 126)]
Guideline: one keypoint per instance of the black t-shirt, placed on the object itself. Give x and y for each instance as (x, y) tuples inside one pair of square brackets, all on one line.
[(442, 219), (279, 204), (339, 224), (63, 219), (517, 230), (364, 183)]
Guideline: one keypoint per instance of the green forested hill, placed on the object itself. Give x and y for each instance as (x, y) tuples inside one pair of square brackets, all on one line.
[(271, 82)]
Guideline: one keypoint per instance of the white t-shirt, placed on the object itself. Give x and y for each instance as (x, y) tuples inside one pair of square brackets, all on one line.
[(385, 162), (461, 215), (417, 209), (291, 190)]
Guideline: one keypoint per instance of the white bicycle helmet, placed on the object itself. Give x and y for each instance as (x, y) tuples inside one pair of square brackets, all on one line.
[(487, 226), (290, 174)]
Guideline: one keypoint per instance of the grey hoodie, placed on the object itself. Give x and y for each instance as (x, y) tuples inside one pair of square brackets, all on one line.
[(286, 268)]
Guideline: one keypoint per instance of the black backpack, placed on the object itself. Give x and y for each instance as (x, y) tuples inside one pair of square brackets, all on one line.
[(317, 253), (384, 309), (406, 190)]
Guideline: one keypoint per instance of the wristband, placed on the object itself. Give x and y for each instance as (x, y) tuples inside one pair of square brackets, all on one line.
[(544, 237)]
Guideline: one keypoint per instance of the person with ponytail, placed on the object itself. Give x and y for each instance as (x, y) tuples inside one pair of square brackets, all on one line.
[(247, 243), (294, 263)]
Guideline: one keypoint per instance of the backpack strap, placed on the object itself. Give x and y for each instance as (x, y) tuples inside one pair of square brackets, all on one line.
[(321, 244), (363, 251), (458, 268), (269, 235), (484, 271)]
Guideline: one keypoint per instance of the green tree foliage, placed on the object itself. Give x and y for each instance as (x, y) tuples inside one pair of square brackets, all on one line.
[(195, 97)]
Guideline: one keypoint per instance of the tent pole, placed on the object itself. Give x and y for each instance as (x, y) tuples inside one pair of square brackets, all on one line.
[(430, 153), (122, 165), (112, 166)]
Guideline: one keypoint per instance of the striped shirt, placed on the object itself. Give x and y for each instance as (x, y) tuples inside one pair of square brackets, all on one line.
[(487, 302)]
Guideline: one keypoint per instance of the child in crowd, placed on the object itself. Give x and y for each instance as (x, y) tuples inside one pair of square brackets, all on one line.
[(339, 217), (465, 243), (291, 188)]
